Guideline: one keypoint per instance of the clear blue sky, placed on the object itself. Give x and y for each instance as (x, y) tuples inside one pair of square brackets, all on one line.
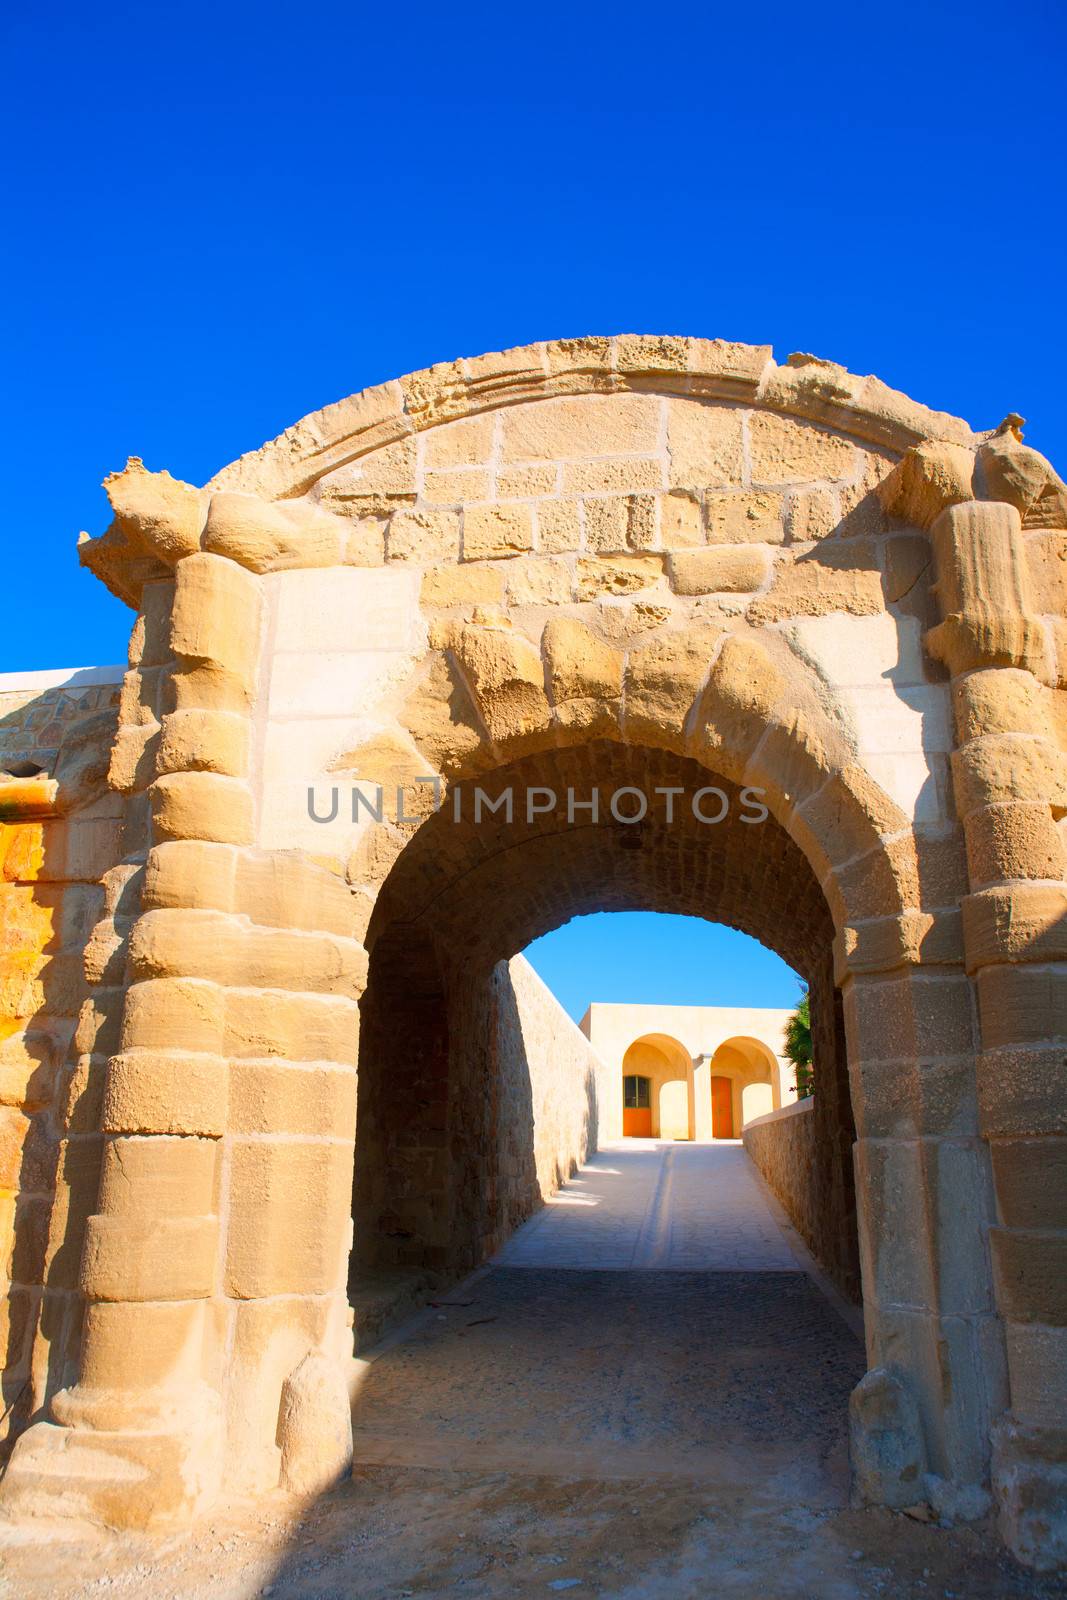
[(650, 959), (222, 217)]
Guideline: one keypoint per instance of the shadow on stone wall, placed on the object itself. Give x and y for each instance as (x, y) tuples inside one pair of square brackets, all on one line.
[(61, 831)]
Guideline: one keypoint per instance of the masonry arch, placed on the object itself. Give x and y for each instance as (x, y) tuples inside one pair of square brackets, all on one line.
[(629, 559)]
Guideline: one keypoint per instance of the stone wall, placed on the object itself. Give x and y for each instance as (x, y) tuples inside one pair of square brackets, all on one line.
[(783, 1144), (537, 1035), (62, 832)]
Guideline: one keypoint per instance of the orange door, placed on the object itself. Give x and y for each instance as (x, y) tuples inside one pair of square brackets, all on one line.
[(722, 1108), (637, 1122)]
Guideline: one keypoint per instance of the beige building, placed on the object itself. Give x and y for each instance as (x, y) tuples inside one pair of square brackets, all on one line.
[(687, 1072), (667, 567)]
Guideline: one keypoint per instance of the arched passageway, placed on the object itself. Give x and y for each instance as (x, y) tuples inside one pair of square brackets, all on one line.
[(446, 1161)]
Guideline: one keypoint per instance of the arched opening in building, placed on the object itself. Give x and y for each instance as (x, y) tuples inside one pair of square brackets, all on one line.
[(747, 1081), (663, 1070), (452, 1151)]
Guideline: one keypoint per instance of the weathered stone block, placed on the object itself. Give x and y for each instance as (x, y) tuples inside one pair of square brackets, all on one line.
[(726, 569), (497, 530), (315, 1427), (704, 445), (744, 518), (202, 805), (423, 536)]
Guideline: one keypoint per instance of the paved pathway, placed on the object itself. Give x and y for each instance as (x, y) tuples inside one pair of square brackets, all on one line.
[(642, 1204)]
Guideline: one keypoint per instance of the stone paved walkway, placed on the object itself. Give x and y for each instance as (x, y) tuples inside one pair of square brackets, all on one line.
[(642, 1204)]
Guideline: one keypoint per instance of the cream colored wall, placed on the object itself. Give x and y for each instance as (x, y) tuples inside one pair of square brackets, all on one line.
[(699, 1031)]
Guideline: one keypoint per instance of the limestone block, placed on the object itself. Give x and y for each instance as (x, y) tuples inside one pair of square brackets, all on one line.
[(149, 1257), (1019, 1091), (1037, 1359), (1031, 1183), (463, 586), (680, 524), (131, 1348), (271, 537), (441, 718), (202, 805), (299, 1027), (524, 483), (378, 481), (158, 1177), (216, 615), (1000, 700), (1046, 561), (886, 1445), (617, 575), (540, 581), (744, 518), (624, 475), (289, 1217), (585, 425), (1030, 1271), (580, 666), (423, 536), (365, 545), (929, 477), (824, 581), (1013, 841), (1003, 766), (230, 950), (811, 514), (155, 511), (282, 890), (559, 526), (315, 1427), (646, 352), (190, 872), (982, 591), (704, 445), (908, 1016), (723, 367), (506, 679), (664, 678), (1010, 470), (584, 675), (133, 757), (725, 569), (497, 530), (783, 450), (1030, 1486), (618, 524), (1022, 1004), (1020, 922), (204, 741), (173, 1014), (174, 1091), (742, 690), (459, 444), (304, 1097)]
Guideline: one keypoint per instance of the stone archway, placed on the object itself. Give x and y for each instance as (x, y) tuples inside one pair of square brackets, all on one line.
[(656, 548)]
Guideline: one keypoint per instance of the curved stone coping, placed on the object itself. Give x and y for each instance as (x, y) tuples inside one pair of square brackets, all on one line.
[(806, 386), (795, 1109), (60, 678)]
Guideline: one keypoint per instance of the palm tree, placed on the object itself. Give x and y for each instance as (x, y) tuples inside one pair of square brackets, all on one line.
[(798, 1047)]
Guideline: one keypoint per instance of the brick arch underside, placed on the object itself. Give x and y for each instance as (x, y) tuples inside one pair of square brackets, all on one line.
[(444, 1163)]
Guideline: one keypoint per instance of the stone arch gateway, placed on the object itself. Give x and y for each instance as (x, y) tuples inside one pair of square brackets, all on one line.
[(565, 565)]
